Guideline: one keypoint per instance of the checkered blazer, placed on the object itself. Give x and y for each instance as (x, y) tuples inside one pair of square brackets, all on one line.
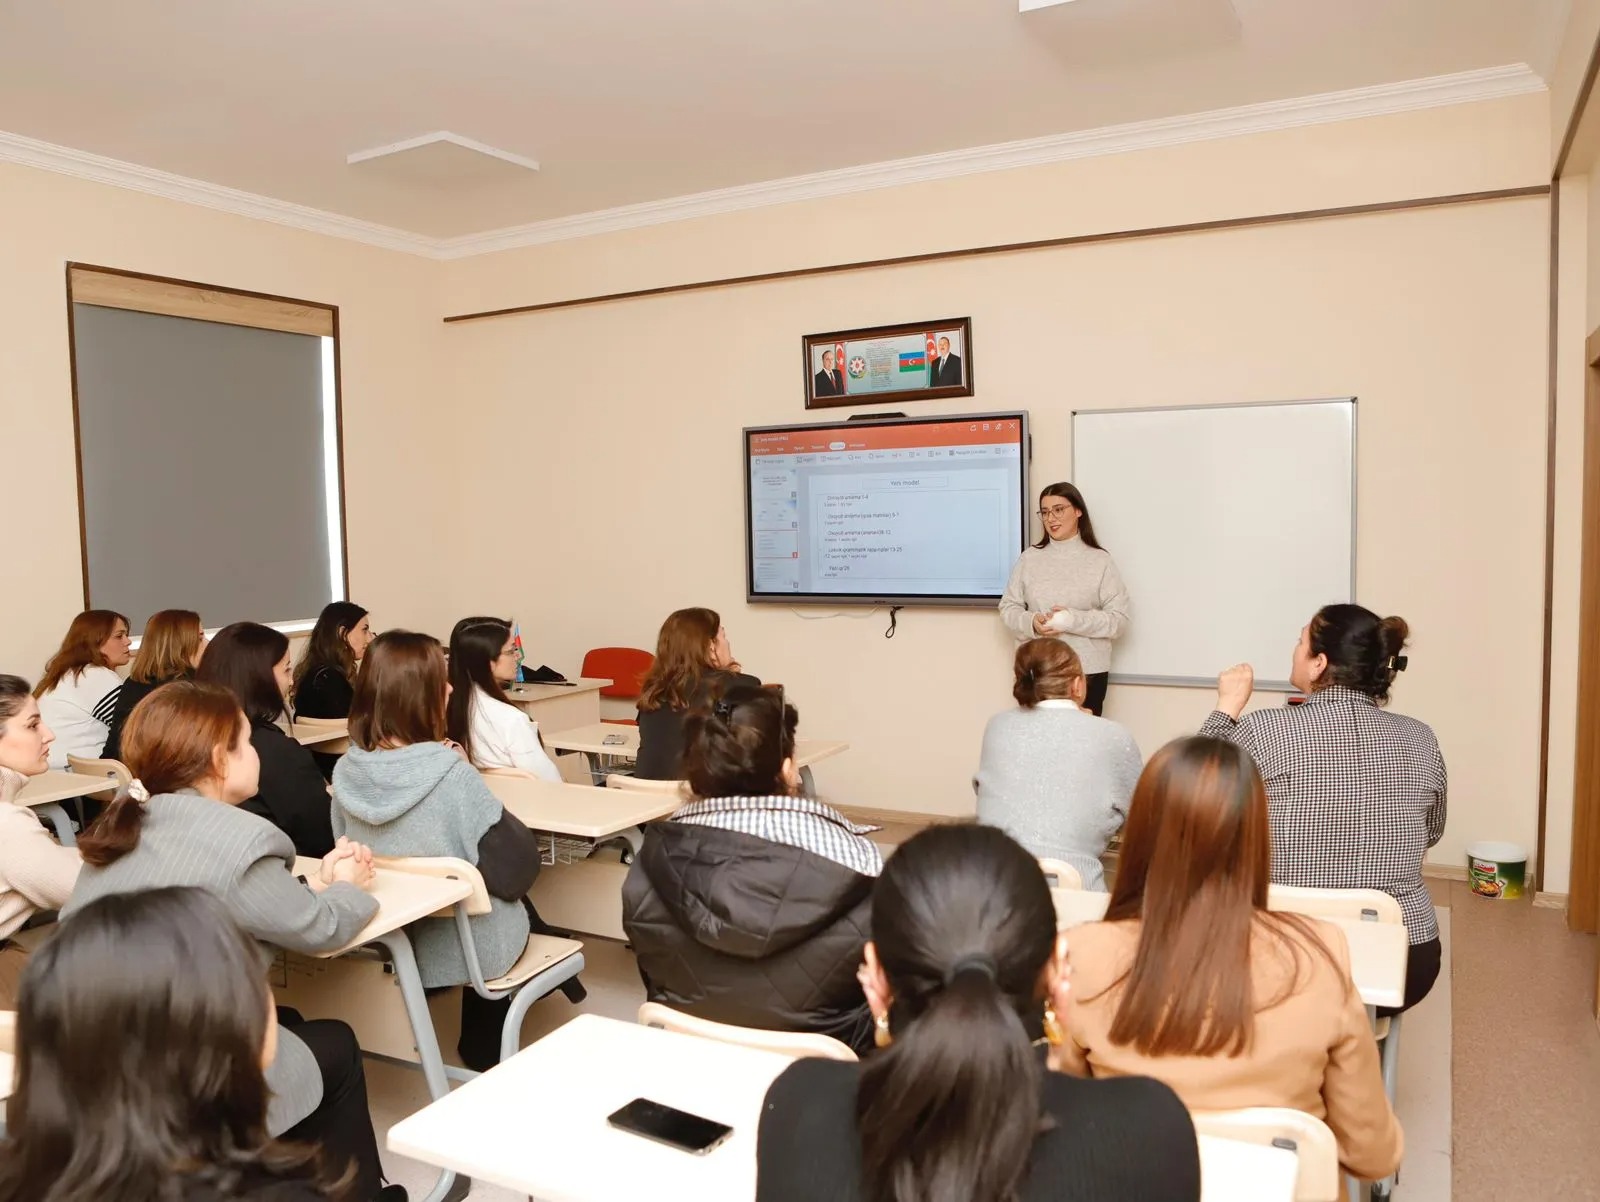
[(801, 822), (1356, 795)]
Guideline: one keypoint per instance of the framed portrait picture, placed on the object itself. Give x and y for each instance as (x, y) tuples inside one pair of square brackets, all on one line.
[(918, 361)]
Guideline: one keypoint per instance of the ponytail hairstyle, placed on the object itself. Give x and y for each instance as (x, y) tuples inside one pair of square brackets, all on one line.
[(1070, 494), (1044, 670), (964, 926), (1363, 649), (475, 644), (80, 648), (171, 742), (736, 744), (139, 1042)]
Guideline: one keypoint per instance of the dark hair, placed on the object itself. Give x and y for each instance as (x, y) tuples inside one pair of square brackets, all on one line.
[(475, 644), (1361, 648), (1196, 862), (683, 658), (400, 692), (963, 924), (169, 743), (139, 1037), (13, 692), (735, 745), (80, 647), (328, 647), (1070, 494), (241, 658), (1044, 669), (171, 638)]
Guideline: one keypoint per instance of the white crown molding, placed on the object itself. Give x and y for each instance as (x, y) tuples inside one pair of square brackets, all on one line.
[(80, 164), (1435, 92), (1439, 91), (441, 135)]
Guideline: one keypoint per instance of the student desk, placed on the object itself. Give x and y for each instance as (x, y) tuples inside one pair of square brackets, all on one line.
[(1378, 950), (584, 896), (361, 992), (320, 736), (591, 740), (516, 1129), (556, 706), (43, 793)]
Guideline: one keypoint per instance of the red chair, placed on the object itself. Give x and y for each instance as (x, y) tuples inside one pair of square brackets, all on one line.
[(625, 667)]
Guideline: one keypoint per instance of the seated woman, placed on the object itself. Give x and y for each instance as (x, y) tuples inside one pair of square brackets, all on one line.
[(1051, 774), (749, 906), (693, 661), (145, 1025), (963, 958), (181, 823), (493, 732), (36, 872), (78, 691), (252, 661), (405, 791), (170, 650), (1356, 794), (1192, 980), (325, 677)]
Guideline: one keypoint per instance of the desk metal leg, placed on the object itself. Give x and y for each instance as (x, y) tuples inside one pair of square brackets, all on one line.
[(808, 786), (57, 818), (409, 979), (597, 776)]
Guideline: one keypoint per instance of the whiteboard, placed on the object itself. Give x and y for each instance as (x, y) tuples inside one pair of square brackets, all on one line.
[(1231, 524)]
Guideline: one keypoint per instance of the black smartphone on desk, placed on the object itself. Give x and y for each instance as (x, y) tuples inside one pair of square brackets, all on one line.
[(667, 1125)]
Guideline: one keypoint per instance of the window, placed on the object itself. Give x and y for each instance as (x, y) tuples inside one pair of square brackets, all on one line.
[(209, 465)]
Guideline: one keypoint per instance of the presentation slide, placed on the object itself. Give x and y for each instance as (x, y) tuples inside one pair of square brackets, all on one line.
[(926, 510)]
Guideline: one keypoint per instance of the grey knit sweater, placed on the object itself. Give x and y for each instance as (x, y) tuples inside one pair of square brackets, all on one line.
[(425, 800), (1081, 578), (1058, 780)]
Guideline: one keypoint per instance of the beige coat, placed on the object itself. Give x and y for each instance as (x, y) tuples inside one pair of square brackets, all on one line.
[(36, 872), (1313, 1050)]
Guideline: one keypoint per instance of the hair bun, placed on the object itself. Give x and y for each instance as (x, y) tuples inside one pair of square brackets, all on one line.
[(1393, 633)]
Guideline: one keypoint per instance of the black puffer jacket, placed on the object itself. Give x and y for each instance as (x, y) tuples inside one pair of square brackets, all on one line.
[(738, 929)]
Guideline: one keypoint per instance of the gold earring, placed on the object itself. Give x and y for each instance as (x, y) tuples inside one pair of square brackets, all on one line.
[(1052, 1027), (882, 1036)]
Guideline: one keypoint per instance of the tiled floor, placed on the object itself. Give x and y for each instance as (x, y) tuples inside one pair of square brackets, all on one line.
[(1519, 1119)]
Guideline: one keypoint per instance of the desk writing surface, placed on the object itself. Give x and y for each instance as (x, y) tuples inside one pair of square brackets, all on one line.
[(310, 736), (402, 899), (529, 691), (61, 786), (8, 1072), (517, 1129), (583, 811), (591, 740), (512, 1128)]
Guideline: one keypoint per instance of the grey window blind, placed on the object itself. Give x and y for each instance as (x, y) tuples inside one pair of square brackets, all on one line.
[(202, 461)]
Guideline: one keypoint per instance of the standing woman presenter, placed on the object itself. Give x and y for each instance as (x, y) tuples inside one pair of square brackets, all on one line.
[(1066, 585)]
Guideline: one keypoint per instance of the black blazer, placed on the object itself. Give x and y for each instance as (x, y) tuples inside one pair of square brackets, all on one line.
[(129, 695), (828, 385), (661, 731), (1127, 1139), (951, 375), (293, 795), (324, 693)]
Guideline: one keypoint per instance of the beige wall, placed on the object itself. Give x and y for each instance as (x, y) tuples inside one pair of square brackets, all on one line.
[(1436, 319), (397, 485)]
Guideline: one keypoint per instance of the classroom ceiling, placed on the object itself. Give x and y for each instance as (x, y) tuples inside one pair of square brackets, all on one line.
[(620, 102)]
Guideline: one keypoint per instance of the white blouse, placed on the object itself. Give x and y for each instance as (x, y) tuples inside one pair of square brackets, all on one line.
[(78, 710), (505, 737)]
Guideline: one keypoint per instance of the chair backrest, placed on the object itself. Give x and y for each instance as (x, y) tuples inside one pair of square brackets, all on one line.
[(1319, 1178), (789, 1043), (115, 769), (442, 866), (324, 723), (619, 781), (1362, 905), (1074, 906), (1060, 874), (625, 667)]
